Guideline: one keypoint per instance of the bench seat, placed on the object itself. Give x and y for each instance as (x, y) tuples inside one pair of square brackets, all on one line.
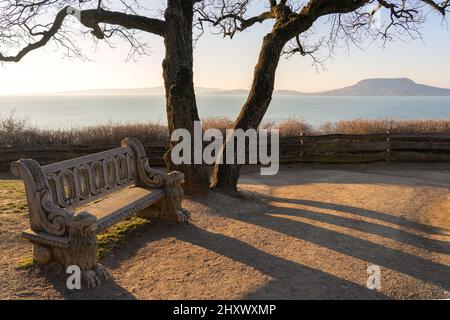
[(122, 205)]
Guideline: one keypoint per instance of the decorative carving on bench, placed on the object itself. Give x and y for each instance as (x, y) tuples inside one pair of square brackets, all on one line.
[(53, 192), (146, 176), (170, 207), (44, 215), (80, 250)]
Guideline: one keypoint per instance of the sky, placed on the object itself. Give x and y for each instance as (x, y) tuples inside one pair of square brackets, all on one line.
[(228, 64)]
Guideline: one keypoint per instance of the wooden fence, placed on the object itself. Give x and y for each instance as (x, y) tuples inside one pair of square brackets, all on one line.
[(337, 148), (46, 154), (341, 148)]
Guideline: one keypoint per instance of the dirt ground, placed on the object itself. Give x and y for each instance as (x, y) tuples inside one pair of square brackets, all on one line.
[(308, 233)]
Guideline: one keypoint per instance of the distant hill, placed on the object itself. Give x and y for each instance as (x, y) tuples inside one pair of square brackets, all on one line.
[(368, 87), (387, 87)]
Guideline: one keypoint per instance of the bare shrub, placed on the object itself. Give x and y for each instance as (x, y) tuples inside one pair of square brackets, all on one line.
[(114, 133), (217, 123), (421, 126), (293, 127), (12, 129), (358, 126), (16, 132), (362, 126)]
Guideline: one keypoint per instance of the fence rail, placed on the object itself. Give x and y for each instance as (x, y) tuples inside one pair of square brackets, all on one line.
[(341, 148), (336, 148)]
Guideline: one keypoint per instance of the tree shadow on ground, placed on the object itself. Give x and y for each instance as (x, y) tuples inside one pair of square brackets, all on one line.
[(414, 266), (291, 280), (400, 221), (437, 246)]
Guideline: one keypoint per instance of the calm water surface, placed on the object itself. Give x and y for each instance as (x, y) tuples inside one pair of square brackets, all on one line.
[(74, 111)]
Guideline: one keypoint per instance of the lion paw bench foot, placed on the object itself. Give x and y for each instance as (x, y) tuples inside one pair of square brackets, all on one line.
[(95, 276), (110, 186), (183, 216), (92, 273)]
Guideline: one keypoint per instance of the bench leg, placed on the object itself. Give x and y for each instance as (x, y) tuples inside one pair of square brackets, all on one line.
[(169, 208), (82, 249), (171, 204), (156, 211), (81, 252)]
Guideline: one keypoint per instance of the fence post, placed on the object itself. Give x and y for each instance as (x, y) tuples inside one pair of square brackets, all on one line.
[(302, 143), (389, 146)]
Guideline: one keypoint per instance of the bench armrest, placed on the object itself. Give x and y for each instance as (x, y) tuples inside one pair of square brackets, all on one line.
[(44, 214), (148, 176)]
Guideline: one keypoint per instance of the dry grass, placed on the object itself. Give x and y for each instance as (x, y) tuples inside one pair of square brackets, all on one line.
[(26, 262), (293, 127), (12, 197), (18, 132), (115, 235), (217, 123), (15, 132), (361, 126)]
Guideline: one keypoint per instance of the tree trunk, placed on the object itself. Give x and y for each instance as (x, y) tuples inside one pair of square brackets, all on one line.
[(226, 176), (179, 84)]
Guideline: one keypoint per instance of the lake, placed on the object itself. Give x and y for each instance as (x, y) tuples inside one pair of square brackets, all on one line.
[(73, 111)]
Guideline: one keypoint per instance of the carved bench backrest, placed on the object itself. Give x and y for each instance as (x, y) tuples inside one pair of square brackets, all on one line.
[(77, 181)]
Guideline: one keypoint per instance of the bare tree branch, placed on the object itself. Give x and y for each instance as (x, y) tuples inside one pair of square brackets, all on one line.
[(24, 14), (352, 20), (230, 16)]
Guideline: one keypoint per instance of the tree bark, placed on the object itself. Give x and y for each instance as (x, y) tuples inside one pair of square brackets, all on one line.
[(179, 84), (226, 176)]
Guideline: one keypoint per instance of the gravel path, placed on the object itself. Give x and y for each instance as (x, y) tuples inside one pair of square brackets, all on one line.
[(309, 232)]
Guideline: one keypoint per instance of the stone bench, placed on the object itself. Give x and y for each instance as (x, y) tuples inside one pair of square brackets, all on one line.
[(109, 187)]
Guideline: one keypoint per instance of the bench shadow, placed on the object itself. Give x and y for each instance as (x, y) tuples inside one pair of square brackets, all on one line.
[(414, 266), (133, 239)]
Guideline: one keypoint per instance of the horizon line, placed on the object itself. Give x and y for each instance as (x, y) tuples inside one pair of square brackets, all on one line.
[(210, 90)]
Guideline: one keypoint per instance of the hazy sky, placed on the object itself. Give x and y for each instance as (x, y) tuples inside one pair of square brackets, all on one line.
[(228, 64)]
